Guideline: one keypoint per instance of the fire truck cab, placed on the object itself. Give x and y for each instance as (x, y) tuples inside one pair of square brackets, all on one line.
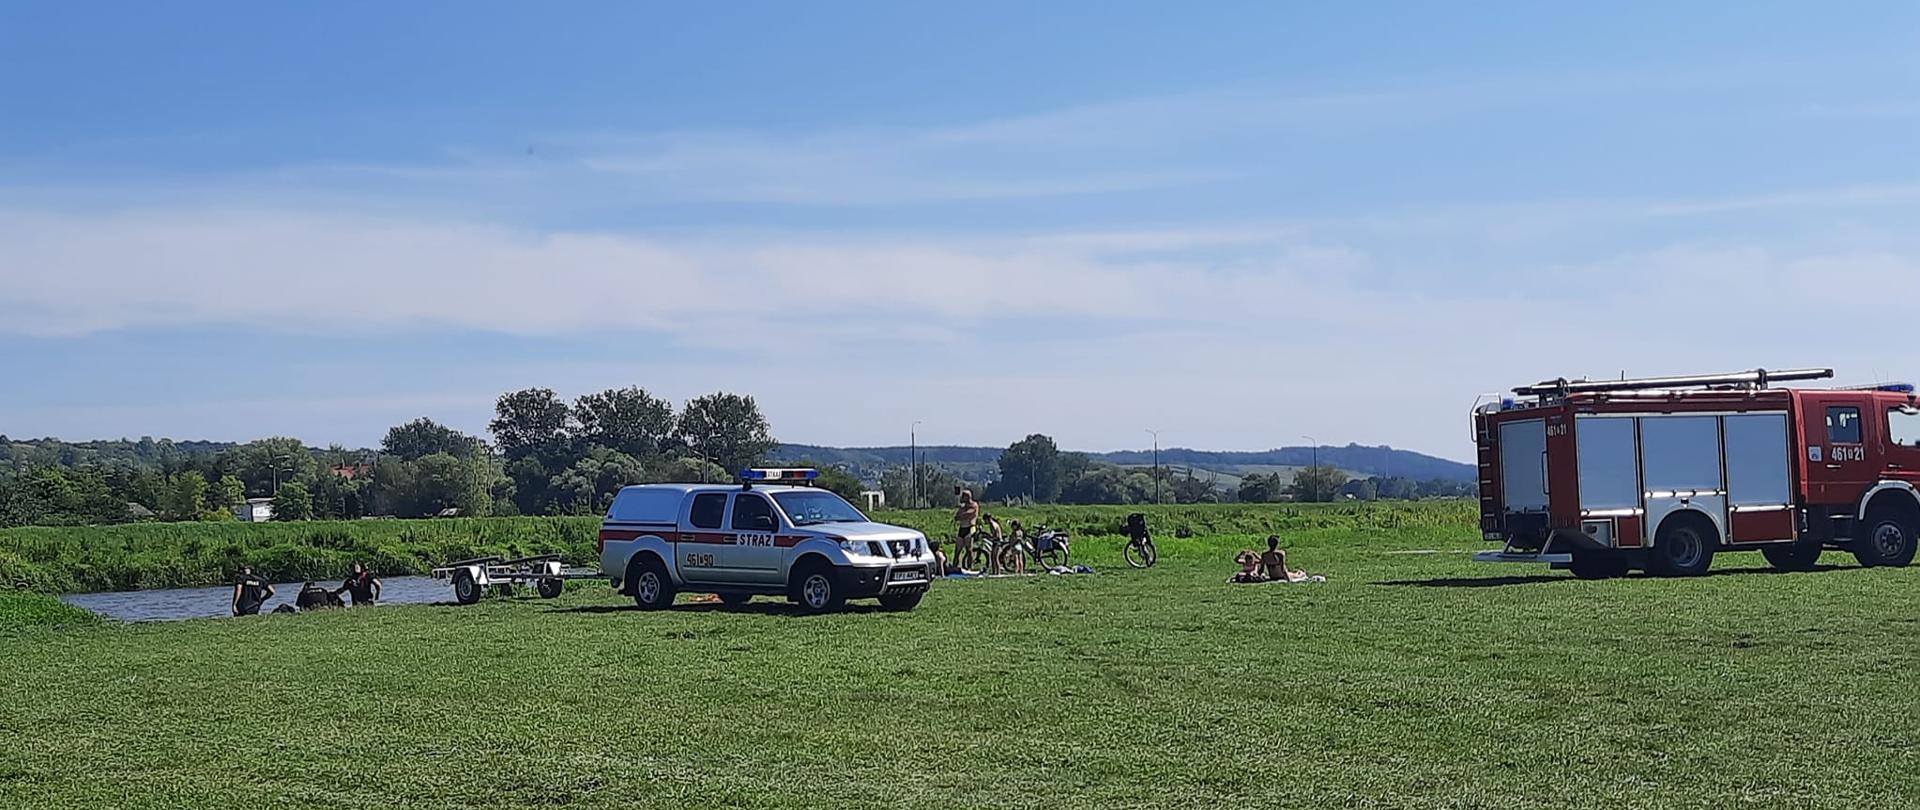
[(1604, 477)]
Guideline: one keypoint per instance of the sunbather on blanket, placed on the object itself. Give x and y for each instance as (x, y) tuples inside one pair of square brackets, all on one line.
[(1250, 572), (1274, 564)]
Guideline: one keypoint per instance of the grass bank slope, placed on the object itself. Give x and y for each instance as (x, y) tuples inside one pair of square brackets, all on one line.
[(1417, 680)]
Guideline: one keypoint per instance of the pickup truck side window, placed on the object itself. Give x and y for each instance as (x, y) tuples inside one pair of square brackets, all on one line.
[(752, 513), (1843, 425), (708, 509)]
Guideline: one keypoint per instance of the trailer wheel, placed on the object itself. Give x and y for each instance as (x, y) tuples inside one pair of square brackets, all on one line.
[(1599, 564), (1792, 556), (1889, 540), (652, 587), (1681, 549), (551, 587), (465, 590)]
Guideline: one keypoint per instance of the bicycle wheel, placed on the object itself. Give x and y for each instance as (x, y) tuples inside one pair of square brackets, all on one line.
[(1053, 557), (1141, 554), (975, 559)]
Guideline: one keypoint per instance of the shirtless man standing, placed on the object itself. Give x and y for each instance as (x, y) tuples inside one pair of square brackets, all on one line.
[(964, 520)]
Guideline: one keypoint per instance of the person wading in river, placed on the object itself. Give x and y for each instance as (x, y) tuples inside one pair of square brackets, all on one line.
[(250, 593), (361, 585)]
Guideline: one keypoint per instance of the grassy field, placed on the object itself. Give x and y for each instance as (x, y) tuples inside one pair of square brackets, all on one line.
[(1408, 680)]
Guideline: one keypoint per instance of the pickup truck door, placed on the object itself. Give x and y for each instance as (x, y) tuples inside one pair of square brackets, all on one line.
[(698, 550), (752, 557)]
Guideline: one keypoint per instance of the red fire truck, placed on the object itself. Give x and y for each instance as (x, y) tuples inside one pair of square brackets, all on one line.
[(1603, 477)]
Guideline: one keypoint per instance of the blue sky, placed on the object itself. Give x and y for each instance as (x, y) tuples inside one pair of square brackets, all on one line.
[(1234, 223)]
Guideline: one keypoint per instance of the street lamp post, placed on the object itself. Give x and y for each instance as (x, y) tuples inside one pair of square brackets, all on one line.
[(913, 464), (1156, 464)]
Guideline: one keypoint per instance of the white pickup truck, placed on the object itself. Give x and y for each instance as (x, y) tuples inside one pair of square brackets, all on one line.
[(806, 544)]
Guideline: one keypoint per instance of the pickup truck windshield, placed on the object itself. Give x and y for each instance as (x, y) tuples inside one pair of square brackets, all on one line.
[(808, 508)]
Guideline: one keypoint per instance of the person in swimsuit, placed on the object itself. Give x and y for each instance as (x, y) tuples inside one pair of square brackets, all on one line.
[(250, 593), (964, 520)]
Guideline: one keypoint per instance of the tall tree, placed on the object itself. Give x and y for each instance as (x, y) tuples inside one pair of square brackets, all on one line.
[(266, 463), (1317, 484), (1032, 467), (185, 498), (589, 485), (292, 502), (533, 422), (628, 420), (424, 437), (726, 429)]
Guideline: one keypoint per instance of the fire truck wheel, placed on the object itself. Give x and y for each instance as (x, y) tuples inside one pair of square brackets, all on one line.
[(816, 589), (1792, 556), (652, 587), (1889, 539), (1599, 564), (1682, 549)]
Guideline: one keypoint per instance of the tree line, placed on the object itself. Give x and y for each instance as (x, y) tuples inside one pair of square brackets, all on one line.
[(549, 456), (1036, 470)]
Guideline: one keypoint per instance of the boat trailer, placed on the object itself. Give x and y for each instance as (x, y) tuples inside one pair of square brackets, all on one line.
[(473, 578)]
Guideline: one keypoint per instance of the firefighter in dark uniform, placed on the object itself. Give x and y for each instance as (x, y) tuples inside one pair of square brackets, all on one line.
[(361, 585), (250, 593)]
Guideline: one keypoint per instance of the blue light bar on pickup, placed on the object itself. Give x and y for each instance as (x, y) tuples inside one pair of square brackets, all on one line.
[(1898, 388), (774, 474)]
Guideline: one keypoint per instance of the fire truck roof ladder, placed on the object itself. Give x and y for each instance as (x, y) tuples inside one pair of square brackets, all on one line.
[(1757, 378)]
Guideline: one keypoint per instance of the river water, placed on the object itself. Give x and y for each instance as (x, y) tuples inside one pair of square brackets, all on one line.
[(198, 603)]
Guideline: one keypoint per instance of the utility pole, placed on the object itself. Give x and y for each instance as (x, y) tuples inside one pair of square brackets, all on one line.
[(1156, 464), (913, 464), (1316, 449)]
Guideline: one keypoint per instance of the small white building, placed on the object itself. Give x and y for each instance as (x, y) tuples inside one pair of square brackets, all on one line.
[(876, 500), (255, 510)]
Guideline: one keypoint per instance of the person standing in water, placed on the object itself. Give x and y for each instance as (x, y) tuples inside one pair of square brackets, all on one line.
[(362, 585), (250, 593)]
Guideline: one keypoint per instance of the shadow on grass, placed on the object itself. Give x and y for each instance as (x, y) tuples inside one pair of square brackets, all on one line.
[(1533, 579), (763, 608)]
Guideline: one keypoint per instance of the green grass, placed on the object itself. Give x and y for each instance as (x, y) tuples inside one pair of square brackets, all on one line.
[(1408, 680), (171, 555), (20, 610)]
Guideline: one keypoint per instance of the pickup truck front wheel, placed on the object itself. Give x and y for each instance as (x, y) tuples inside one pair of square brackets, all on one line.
[(816, 589), (651, 587)]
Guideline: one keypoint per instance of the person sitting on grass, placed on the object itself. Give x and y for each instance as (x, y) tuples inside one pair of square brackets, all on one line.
[(1274, 565), (1250, 572)]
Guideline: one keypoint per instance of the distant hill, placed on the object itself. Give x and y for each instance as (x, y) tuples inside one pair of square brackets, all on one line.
[(978, 463)]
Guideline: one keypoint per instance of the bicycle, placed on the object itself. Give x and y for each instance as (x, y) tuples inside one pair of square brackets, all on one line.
[(1047, 548), (1140, 551)]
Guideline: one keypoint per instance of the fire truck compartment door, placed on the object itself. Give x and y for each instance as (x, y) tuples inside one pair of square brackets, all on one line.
[(1523, 465), (1680, 462)]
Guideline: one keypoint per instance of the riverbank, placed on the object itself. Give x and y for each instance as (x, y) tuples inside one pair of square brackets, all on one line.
[(185, 555), (1406, 680)]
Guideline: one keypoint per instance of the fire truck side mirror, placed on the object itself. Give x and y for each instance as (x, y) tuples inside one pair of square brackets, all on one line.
[(1909, 410)]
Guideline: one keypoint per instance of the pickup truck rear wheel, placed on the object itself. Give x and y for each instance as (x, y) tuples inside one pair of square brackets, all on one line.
[(816, 589), (652, 587)]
